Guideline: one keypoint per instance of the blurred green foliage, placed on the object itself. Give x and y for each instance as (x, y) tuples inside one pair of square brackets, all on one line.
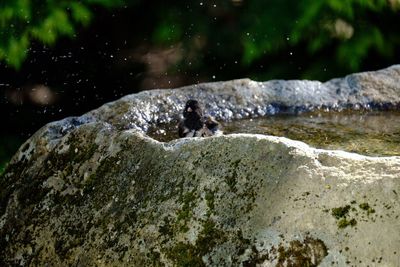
[(22, 21), (345, 32), (342, 31)]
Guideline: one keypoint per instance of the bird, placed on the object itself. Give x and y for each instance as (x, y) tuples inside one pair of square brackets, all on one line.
[(195, 123)]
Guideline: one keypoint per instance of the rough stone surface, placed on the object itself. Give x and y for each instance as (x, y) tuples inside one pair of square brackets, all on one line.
[(244, 98), (96, 191)]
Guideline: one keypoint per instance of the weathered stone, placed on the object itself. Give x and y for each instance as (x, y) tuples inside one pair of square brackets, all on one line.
[(95, 190)]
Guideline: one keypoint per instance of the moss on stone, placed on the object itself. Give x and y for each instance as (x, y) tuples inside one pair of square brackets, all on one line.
[(5, 193), (104, 169), (209, 236), (166, 229), (343, 223), (186, 254), (231, 178), (340, 212), (154, 258), (187, 204), (210, 198), (13, 177), (242, 243), (231, 181), (367, 208), (236, 163), (308, 253)]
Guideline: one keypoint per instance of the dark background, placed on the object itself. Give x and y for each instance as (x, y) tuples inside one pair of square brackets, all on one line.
[(106, 49)]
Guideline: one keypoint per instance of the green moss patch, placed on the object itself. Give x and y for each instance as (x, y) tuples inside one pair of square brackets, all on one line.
[(340, 214), (309, 253), (185, 213), (367, 207), (186, 254), (343, 223)]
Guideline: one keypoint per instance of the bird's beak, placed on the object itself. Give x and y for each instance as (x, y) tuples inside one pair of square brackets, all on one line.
[(189, 109)]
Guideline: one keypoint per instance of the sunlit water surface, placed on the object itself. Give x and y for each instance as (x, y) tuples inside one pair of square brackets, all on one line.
[(375, 133)]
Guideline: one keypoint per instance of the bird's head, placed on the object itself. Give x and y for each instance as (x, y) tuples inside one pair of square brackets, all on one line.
[(192, 110)]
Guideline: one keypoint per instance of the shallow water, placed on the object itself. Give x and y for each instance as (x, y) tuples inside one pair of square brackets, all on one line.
[(375, 133)]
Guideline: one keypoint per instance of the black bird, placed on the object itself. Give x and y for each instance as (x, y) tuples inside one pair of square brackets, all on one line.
[(195, 124)]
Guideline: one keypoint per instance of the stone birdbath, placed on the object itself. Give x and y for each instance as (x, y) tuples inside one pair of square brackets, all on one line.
[(96, 190)]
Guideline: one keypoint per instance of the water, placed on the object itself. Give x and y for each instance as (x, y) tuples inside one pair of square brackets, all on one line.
[(374, 133)]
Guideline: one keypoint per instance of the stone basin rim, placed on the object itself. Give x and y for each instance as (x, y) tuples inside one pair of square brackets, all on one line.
[(295, 144), (238, 97)]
